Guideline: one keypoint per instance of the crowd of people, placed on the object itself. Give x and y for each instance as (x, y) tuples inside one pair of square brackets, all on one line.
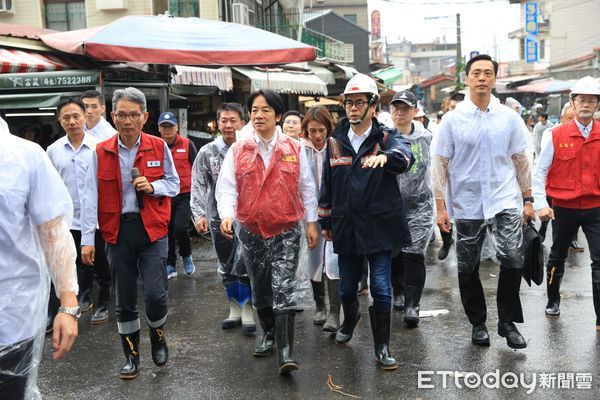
[(286, 198)]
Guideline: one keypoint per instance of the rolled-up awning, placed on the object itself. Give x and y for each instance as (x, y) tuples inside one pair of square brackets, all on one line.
[(18, 61), (198, 76), (284, 81), (323, 73)]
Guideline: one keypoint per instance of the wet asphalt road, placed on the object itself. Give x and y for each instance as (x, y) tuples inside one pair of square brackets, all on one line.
[(209, 363)]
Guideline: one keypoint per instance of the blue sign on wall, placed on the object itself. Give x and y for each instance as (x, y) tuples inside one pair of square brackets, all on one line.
[(531, 50), (531, 18)]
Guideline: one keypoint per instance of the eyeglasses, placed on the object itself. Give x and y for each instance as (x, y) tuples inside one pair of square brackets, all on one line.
[(123, 116), (358, 103), (585, 101)]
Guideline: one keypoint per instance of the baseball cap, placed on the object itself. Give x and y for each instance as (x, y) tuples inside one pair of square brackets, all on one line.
[(167, 117), (405, 96)]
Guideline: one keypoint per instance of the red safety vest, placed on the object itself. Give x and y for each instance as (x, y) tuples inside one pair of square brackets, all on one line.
[(156, 212), (181, 159), (573, 180), (268, 201)]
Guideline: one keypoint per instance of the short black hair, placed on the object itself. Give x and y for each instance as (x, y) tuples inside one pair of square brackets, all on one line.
[(237, 107), (93, 94), (292, 112), (65, 101), (481, 57), (273, 99), (457, 96), (544, 115)]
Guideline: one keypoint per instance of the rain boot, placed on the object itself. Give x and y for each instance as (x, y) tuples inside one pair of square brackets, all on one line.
[(235, 311), (553, 281), (160, 351), (284, 334), (351, 318), (447, 241), (412, 305), (380, 325), (267, 322), (319, 296), (131, 347), (398, 299), (245, 300), (333, 318), (596, 295)]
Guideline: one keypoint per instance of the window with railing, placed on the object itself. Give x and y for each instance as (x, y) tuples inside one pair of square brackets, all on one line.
[(184, 8), (65, 15)]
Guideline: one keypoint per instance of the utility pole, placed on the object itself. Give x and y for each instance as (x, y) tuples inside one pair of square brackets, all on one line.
[(459, 63)]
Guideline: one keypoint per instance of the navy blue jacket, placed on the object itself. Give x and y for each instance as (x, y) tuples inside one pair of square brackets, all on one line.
[(363, 207)]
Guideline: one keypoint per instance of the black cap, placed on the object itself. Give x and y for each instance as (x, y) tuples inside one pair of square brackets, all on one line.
[(405, 96)]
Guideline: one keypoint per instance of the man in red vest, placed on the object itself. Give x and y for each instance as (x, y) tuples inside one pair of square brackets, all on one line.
[(567, 172), (127, 193), (266, 185), (184, 153)]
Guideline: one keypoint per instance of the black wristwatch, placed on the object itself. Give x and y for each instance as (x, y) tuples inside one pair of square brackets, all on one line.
[(526, 199)]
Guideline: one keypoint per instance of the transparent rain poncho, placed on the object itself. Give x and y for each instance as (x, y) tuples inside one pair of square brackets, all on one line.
[(416, 189), (35, 242)]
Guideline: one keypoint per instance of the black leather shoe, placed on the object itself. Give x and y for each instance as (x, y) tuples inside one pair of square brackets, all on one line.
[(131, 346), (447, 242), (480, 336), (100, 316), (160, 351), (514, 339)]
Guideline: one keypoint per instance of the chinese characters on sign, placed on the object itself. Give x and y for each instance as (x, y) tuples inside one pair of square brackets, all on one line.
[(531, 31), (47, 80)]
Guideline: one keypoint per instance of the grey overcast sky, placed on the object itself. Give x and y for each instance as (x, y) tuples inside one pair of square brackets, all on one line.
[(484, 24)]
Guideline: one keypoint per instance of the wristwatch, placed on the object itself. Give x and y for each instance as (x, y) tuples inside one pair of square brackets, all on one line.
[(526, 199), (74, 311)]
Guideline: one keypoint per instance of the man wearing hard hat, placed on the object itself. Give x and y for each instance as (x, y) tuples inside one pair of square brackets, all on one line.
[(567, 171), (361, 209)]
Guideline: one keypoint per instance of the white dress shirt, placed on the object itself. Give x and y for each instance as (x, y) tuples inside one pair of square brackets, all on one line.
[(72, 165), (482, 179), (31, 194), (227, 193), (545, 162), (102, 130), (355, 140)]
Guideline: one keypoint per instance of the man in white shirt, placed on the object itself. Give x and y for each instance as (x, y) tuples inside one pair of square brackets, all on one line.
[(538, 131), (567, 172), (34, 235), (95, 124), (482, 158), (71, 155), (266, 185)]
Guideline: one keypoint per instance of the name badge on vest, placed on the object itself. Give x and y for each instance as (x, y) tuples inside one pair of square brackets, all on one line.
[(291, 158), (153, 164), (180, 150)]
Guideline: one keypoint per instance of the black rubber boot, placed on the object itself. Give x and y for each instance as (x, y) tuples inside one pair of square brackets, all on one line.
[(447, 241), (380, 325), (131, 348), (284, 334), (319, 296), (398, 282), (333, 317), (553, 281), (596, 294), (160, 351), (412, 305), (267, 322), (351, 318)]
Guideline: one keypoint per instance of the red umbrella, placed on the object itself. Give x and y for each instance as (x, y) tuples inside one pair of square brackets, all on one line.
[(191, 41)]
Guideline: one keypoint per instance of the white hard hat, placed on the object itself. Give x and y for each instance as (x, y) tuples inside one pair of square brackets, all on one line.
[(586, 85), (361, 83)]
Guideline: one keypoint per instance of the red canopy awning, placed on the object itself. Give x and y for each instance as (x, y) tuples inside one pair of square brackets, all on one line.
[(17, 61)]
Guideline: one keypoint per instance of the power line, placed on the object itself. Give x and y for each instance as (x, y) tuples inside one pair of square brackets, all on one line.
[(442, 2)]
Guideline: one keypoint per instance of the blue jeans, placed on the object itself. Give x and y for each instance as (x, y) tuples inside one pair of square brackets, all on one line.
[(380, 286)]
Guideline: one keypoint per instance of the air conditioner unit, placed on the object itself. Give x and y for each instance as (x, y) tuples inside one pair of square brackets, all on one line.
[(239, 13), (111, 4), (7, 6)]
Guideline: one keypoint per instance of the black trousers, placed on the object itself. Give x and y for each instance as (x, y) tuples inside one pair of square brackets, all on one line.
[(507, 227), (178, 228), (135, 255), (17, 359), (229, 254), (566, 223), (99, 272)]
